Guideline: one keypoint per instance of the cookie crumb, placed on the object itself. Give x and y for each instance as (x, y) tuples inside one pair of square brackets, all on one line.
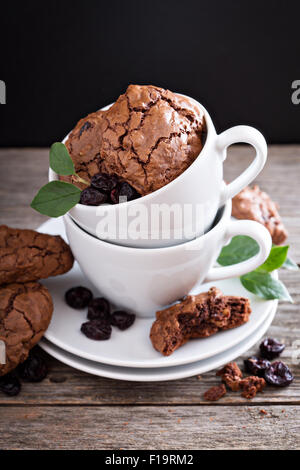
[(231, 375), (251, 385), (215, 393)]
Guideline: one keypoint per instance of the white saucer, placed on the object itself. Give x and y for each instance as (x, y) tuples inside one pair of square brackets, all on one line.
[(132, 348), (159, 374)]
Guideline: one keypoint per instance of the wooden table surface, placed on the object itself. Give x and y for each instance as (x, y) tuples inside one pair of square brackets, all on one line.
[(73, 410)]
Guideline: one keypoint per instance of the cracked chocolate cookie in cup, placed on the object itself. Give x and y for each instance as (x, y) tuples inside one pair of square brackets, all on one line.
[(164, 146)]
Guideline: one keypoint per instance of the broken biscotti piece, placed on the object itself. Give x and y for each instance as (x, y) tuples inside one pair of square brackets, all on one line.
[(25, 313), (254, 204), (197, 316), (26, 255)]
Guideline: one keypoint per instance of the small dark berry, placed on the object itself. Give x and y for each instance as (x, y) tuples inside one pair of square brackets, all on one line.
[(98, 308), (256, 366), (104, 182), (279, 375), (128, 191), (92, 197), (271, 348), (114, 196), (10, 385), (122, 320), (78, 297), (97, 330), (34, 369)]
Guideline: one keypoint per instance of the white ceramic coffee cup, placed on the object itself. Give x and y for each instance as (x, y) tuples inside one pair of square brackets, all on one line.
[(145, 280), (197, 193)]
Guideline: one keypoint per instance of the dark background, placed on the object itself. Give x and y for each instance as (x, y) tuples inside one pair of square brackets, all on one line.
[(63, 59)]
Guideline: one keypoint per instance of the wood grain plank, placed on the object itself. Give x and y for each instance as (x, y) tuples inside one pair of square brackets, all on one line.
[(154, 428)]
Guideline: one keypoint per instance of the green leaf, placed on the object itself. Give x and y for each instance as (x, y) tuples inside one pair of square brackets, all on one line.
[(275, 259), (239, 249), (56, 198), (60, 160), (265, 286), (290, 264)]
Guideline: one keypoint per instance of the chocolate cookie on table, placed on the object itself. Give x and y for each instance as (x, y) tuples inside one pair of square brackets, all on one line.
[(25, 313), (254, 204), (197, 316), (26, 255)]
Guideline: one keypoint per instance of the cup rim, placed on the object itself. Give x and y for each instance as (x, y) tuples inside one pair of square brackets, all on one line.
[(150, 251), (52, 176)]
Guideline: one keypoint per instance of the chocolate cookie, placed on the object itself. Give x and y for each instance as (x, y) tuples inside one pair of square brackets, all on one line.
[(254, 204), (25, 313), (26, 255), (84, 144), (151, 137), (197, 316), (147, 138)]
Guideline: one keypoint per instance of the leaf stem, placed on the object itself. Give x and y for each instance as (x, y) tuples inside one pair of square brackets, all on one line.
[(81, 180)]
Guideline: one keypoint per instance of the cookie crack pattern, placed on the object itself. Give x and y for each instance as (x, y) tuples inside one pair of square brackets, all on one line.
[(27, 321), (145, 112), (132, 130), (11, 300)]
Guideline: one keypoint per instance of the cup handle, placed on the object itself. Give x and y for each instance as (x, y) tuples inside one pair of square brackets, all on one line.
[(248, 135), (254, 230)]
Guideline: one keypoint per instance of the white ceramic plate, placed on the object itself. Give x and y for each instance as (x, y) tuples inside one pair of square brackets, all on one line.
[(159, 374), (132, 348)]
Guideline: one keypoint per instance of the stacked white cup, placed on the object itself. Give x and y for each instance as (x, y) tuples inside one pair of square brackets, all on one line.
[(150, 252)]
